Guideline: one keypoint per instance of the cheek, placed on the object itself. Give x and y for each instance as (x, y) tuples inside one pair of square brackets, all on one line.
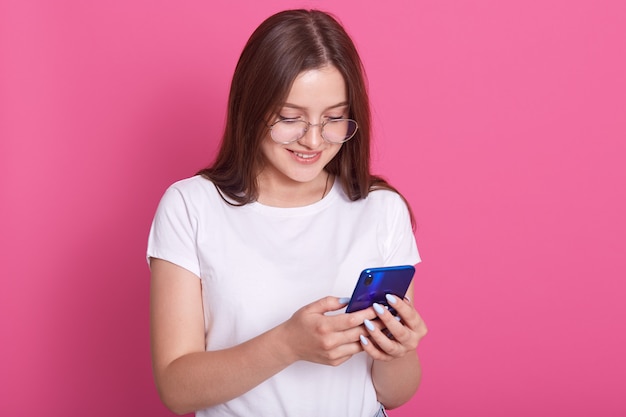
[(333, 152), (270, 149)]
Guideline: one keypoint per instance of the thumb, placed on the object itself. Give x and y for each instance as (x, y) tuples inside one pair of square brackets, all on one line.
[(327, 304)]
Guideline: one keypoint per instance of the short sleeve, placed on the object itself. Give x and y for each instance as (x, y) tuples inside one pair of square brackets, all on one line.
[(173, 232), (399, 247)]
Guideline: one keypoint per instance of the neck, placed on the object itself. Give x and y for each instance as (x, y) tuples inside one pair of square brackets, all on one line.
[(276, 193)]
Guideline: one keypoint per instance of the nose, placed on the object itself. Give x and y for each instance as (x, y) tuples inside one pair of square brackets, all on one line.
[(312, 137)]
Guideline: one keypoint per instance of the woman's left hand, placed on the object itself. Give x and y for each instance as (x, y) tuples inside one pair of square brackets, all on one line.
[(391, 337)]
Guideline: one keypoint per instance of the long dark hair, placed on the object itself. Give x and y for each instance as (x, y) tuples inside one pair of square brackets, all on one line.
[(282, 47)]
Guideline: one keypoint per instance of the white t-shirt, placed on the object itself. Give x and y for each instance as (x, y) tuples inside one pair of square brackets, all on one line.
[(260, 264)]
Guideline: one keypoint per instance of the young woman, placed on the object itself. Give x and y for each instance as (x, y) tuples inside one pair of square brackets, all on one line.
[(251, 257)]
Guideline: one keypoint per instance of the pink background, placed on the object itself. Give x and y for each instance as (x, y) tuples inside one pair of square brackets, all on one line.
[(503, 122)]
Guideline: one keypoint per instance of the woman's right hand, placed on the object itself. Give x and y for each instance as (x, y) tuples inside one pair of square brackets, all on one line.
[(330, 339)]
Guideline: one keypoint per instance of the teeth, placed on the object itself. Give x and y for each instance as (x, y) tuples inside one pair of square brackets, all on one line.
[(303, 156)]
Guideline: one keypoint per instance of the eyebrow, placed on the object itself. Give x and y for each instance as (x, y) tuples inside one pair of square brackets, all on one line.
[(295, 106)]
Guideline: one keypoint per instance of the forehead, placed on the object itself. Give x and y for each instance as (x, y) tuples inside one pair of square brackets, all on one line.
[(318, 89)]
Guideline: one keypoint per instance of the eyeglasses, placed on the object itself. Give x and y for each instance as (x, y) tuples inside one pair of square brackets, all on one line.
[(333, 130)]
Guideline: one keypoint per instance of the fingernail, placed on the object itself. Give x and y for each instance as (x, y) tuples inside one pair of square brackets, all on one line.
[(344, 300), (364, 340), (369, 325), (378, 308), (391, 299), (397, 318)]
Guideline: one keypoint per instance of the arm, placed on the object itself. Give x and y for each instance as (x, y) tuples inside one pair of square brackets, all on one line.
[(189, 378), (396, 381), (396, 371)]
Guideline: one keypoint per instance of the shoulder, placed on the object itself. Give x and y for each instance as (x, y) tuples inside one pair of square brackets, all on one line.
[(390, 206), (382, 201), (190, 194), (387, 199), (192, 185), (193, 188)]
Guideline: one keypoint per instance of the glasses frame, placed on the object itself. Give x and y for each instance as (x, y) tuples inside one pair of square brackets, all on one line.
[(310, 125)]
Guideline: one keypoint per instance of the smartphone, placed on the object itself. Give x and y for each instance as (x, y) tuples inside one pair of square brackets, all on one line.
[(375, 283)]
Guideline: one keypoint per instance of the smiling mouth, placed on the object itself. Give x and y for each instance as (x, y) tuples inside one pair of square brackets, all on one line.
[(305, 155)]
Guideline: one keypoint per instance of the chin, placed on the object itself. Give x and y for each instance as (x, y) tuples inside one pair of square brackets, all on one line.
[(304, 178)]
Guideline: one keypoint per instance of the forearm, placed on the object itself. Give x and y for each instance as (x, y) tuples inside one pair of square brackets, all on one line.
[(396, 381), (203, 379)]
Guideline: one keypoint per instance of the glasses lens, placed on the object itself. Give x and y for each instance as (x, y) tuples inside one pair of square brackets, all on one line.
[(287, 131), (340, 130), (334, 131)]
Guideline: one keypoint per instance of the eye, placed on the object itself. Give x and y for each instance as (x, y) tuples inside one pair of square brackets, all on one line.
[(288, 119)]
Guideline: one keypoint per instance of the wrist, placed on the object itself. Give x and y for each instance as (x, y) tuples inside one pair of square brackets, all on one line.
[(279, 346)]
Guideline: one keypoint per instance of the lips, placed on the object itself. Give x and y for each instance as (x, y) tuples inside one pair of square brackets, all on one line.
[(306, 157)]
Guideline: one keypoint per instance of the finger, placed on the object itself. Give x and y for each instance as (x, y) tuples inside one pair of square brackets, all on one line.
[(385, 316), (373, 350), (327, 304), (342, 353), (351, 324), (383, 337), (406, 332), (397, 338), (405, 311), (411, 329)]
